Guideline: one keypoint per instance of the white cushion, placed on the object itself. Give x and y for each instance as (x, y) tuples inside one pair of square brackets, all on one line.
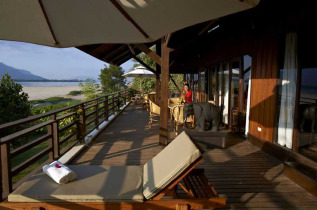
[(168, 164), (94, 184)]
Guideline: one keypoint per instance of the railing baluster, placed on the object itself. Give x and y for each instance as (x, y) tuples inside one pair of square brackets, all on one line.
[(50, 141), (81, 132), (6, 169), (105, 102), (55, 132), (96, 115), (119, 96)]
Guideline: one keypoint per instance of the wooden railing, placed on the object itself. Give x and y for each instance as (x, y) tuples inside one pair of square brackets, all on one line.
[(54, 133)]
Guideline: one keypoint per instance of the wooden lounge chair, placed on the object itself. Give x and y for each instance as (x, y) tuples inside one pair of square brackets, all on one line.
[(155, 111), (126, 187)]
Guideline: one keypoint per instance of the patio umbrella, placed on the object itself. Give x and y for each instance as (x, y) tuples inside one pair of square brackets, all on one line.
[(69, 23), (139, 71)]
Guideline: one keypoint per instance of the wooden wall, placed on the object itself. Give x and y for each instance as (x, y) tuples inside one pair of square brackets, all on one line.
[(265, 70)]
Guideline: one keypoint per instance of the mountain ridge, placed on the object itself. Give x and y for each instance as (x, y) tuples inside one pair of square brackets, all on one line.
[(18, 74)]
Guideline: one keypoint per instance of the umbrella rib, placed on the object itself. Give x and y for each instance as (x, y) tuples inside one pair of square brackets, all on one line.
[(128, 17), (48, 22)]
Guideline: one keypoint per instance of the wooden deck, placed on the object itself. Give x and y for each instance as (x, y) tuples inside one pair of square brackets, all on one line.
[(247, 176)]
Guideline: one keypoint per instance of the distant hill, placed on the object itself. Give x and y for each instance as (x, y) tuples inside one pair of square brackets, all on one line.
[(18, 74)]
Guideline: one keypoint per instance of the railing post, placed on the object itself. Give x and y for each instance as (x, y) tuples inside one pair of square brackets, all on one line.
[(106, 108), (6, 170), (81, 129), (55, 133), (97, 113), (113, 108)]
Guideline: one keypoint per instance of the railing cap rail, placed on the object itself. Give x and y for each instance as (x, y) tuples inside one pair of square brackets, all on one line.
[(36, 117)]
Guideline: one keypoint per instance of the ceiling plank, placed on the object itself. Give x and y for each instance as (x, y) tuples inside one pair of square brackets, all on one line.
[(106, 57)]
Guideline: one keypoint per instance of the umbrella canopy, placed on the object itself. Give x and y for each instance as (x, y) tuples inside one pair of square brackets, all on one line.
[(139, 71), (69, 23)]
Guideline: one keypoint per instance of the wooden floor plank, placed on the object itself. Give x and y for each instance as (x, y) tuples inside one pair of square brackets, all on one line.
[(245, 175)]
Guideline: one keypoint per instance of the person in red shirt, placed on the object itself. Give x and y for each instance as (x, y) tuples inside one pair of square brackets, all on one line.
[(188, 94), (188, 106)]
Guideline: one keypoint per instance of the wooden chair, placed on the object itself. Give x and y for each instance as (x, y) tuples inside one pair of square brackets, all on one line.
[(172, 102), (160, 178), (178, 118), (147, 97), (155, 111)]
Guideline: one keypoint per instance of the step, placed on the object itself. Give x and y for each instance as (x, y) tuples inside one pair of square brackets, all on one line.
[(303, 175)]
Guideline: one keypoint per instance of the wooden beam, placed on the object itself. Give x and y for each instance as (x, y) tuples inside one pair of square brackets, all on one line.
[(158, 70), (208, 25), (128, 17), (131, 49), (175, 83), (149, 52), (144, 64), (246, 70), (168, 38), (163, 132)]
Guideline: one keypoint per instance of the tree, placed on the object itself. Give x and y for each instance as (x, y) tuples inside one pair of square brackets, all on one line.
[(90, 89), (112, 79), (14, 105)]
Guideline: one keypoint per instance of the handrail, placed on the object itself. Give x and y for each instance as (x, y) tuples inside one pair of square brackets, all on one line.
[(36, 117), (55, 137)]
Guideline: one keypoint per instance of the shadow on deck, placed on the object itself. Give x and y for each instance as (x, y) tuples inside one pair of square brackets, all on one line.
[(247, 176)]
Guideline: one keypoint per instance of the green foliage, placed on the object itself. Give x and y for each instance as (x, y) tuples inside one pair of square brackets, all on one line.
[(14, 105), (52, 100), (90, 89), (13, 101), (148, 84), (112, 79), (75, 92)]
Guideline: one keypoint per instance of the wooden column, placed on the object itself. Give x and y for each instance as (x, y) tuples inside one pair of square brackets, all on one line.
[(198, 87), (164, 93), (230, 96), (241, 94), (158, 72), (217, 88), (222, 85), (6, 178)]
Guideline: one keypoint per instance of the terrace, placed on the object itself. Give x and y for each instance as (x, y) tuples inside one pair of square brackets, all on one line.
[(241, 172), (233, 60)]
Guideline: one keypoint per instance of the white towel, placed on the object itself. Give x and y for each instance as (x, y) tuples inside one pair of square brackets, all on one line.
[(60, 173)]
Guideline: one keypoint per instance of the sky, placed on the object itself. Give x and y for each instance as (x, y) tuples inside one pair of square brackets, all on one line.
[(52, 63)]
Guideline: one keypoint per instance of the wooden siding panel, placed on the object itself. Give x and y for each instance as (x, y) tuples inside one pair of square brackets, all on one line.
[(264, 81)]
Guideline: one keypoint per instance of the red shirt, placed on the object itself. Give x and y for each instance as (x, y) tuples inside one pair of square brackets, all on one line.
[(188, 97)]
